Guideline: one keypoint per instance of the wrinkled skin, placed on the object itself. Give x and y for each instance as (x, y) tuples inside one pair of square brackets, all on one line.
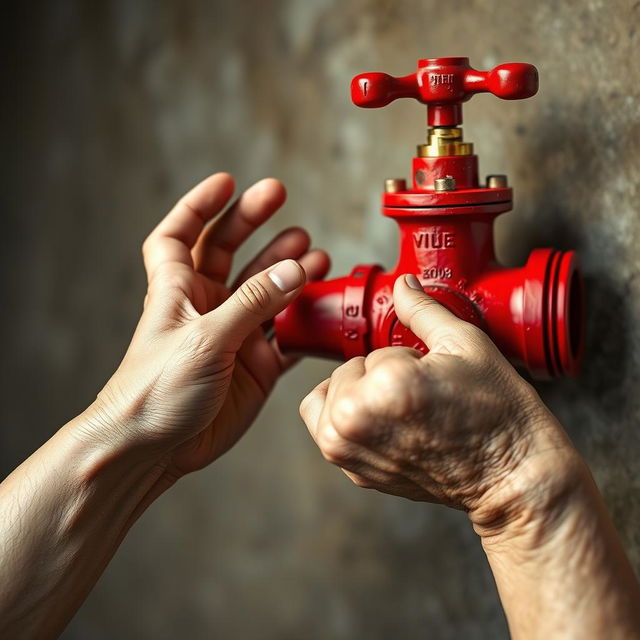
[(452, 426)]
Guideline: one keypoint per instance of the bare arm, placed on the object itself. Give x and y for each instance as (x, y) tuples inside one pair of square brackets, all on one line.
[(558, 563), (63, 513), (197, 372), (460, 427)]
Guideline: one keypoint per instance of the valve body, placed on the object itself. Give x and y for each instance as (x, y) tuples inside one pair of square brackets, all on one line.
[(533, 313)]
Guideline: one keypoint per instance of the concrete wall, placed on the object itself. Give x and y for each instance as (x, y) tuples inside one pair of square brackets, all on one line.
[(111, 110)]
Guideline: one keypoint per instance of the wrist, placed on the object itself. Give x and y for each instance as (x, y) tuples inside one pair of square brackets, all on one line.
[(108, 450), (113, 426), (554, 553), (528, 508)]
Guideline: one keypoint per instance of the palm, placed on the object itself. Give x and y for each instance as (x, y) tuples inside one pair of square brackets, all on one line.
[(200, 258), (256, 369)]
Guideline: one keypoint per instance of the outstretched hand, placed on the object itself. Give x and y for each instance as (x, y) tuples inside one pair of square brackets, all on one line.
[(200, 365)]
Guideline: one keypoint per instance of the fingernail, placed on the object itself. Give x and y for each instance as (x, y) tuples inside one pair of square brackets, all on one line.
[(413, 282), (286, 275)]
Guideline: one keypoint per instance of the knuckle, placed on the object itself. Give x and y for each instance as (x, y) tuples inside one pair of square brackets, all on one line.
[(378, 354), (392, 375), (463, 338), (392, 388), (344, 414), (166, 281), (254, 296), (334, 449), (449, 343), (422, 306)]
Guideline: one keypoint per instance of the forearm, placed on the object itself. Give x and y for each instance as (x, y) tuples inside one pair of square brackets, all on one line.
[(63, 513), (559, 566)]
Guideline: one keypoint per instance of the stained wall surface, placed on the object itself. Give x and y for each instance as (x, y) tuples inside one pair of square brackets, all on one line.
[(111, 110)]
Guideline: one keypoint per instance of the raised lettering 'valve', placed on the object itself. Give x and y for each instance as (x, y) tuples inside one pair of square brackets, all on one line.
[(533, 313), (443, 84)]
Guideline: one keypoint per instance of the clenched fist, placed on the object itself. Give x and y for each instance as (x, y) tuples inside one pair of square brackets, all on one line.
[(457, 426)]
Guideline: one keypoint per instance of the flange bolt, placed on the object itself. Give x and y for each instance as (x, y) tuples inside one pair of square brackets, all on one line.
[(447, 183), (393, 185), (497, 182)]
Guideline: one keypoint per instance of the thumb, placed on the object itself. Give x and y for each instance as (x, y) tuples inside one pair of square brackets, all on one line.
[(255, 301), (426, 317)]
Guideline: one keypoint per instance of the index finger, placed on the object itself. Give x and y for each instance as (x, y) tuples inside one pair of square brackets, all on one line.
[(173, 239), (214, 251)]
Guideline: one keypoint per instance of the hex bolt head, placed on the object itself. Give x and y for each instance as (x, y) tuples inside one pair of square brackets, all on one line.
[(393, 185), (498, 181), (447, 183)]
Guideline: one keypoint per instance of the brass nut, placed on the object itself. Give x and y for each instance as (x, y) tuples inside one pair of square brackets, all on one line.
[(444, 141), (447, 183), (393, 185), (498, 181)]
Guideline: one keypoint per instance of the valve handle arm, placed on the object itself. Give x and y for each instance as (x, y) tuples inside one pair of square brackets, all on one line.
[(443, 84), (371, 90)]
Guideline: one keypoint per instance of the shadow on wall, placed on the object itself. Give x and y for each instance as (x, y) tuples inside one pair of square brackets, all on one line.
[(565, 204)]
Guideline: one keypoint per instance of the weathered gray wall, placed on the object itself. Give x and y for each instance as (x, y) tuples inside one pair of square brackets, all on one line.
[(111, 110)]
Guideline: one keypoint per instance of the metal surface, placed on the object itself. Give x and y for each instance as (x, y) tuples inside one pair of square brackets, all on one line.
[(533, 313)]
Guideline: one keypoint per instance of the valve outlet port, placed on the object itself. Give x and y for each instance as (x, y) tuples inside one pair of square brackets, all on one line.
[(567, 288), (553, 314)]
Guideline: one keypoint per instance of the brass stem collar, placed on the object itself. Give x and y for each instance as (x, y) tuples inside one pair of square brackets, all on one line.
[(444, 141)]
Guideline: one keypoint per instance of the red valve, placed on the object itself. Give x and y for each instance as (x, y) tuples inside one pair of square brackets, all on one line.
[(533, 313), (443, 84)]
